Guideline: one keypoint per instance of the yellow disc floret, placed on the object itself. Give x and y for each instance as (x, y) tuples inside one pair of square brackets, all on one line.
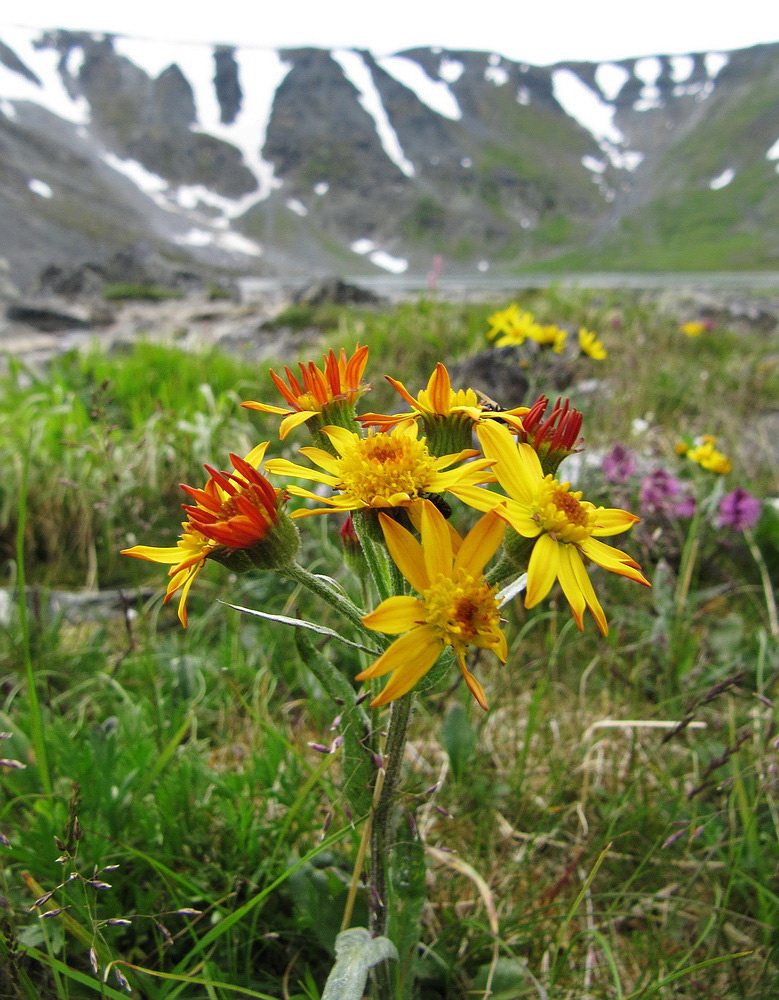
[(382, 467), (562, 513)]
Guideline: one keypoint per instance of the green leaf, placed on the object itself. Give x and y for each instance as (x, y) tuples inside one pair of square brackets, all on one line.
[(301, 623), (356, 952)]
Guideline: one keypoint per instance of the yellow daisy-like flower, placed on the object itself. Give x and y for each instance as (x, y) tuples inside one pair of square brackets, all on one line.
[(565, 526), (549, 336), (339, 385), (455, 606), (237, 512), (707, 456), (384, 469), (510, 327), (591, 346), (439, 402), (693, 328)]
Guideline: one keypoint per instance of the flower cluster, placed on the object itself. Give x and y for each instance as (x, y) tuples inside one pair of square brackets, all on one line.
[(396, 476), (512, 327)]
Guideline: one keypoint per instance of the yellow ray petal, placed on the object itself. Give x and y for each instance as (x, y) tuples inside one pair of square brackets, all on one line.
[(613, 521), (517, 468), (406, 552), (167, 556), (283, 467), (481, 543), (265, 407), (395, 615), (588, 592), (413, 653), (256, 455), (342, 439), (542, 570), (474, 687), (613, 560), (437, 542), (293, 420), (439, 389), (570, 583), (403, 680)]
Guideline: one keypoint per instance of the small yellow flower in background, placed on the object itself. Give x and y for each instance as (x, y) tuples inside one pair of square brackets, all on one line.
[(591, 346), (693, 328), (455, 607), (510, 327), (549, 336), (385, 469), (322, 395), (707, 456), (565, 526), (236, 516)]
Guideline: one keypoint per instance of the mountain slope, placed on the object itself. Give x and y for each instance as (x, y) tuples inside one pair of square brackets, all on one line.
[(304, 161)]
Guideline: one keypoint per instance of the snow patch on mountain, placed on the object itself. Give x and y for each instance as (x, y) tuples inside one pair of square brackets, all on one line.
[(44, 63), (260, 73), (433, 93), (367, 248), (648, 71), (611, 78), (359, 75), (595, 116), (723, 179)]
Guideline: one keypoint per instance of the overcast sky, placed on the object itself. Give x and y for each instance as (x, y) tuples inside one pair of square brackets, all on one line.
[(539, 33)]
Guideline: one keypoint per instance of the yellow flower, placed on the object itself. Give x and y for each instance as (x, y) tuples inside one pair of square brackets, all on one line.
[(591, 346), (186, 558), (565, 526), (236, 519), (549, 336), (384, 469), (322, 392), (511, 327), (693, 328), (448, 416), (707, 456), (455, 606)]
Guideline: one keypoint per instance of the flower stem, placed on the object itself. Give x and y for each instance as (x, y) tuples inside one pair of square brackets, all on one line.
[(336, 600), (382, 827)]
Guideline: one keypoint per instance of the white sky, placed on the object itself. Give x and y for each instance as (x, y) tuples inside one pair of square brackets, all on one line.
[(540, 33)]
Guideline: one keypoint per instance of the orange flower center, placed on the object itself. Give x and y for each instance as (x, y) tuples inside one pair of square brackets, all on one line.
[(463, 611), (562, 513)]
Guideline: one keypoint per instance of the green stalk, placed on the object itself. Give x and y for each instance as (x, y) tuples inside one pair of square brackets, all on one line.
[(340, 602), (36, 718)]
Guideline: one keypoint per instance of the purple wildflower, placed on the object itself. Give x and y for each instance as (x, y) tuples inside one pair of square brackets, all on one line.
[(739, 510), (619, 464), (658, 491)]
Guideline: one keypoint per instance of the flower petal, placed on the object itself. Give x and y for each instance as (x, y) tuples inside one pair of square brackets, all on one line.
[(613, 521), (395, 615), (438, 542), (570, 582), (614, 560), (474, 687), (406, 552), (283, 467), (412, 654), (517, 467), (167, 556), (293, 420), (481, 543), (542, 569)]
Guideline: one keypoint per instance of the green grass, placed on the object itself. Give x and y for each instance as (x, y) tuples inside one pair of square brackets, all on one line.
[(579, 857)]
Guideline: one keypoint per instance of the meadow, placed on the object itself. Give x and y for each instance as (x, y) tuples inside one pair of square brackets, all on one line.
[(171, 825)]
